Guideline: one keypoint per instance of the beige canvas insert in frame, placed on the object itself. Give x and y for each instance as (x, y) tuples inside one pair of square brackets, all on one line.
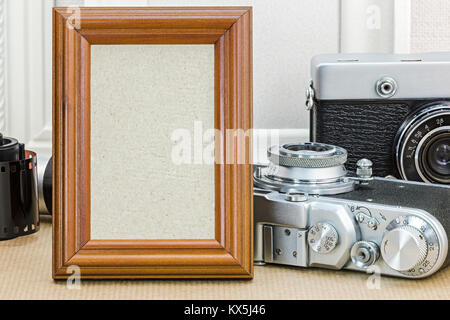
[(79, 112), (153, 187)]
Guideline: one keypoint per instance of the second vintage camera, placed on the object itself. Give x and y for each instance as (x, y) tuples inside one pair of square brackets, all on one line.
[(392, 109), (310, 212)]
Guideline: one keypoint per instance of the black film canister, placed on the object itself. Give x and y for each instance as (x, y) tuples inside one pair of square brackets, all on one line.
[(19, 213), (9, 149)]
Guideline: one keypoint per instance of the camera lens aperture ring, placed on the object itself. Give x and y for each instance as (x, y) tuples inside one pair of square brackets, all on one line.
[(413, 139), (307, 155)]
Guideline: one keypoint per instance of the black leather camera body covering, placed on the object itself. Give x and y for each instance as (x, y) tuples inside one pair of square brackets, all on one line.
[(365, 128)]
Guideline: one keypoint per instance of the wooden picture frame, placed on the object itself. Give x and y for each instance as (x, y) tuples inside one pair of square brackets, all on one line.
[(230, 254)]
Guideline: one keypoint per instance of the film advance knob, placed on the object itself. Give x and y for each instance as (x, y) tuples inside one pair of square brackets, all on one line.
[(403, 248), (322, 237)]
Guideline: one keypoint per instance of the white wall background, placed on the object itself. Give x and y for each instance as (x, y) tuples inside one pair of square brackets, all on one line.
[(286, 35), (25, 71), (367, 26), (430, 25), (375, 26)]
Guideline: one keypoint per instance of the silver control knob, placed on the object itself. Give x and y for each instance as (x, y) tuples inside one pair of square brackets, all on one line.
[(403, 248), (322, 237), (364, 168), (364, 253)]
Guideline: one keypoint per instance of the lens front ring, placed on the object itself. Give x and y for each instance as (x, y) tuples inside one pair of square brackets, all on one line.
[(307, 150), (414, 137), (307, 155)]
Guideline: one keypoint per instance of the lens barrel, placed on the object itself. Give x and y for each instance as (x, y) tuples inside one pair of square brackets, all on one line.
[(422, 145), (310, 167), (434, 157)]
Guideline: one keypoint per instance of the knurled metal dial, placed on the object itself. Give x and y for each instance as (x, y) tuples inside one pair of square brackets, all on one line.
[(322, 237), (404, 248), (410, 246), (307, 155)]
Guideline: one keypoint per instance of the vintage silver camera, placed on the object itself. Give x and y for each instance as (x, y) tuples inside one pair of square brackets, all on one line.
[(309, 212), (393, 109)]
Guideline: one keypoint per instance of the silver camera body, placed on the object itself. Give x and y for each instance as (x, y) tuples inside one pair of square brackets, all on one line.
[(310, 212), (393, 109)]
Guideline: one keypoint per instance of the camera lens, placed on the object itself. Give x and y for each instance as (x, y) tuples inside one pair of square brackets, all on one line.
[(439, 157), (436, 158), (423, 145)]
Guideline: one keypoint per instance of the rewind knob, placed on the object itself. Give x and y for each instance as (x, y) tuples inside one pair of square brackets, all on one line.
[(403, 248)]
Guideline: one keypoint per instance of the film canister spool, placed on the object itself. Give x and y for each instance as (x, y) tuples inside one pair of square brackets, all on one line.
[(45, 184), (19, 213)]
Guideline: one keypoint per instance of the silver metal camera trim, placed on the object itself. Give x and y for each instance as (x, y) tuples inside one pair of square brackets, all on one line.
[(410, 125), (313, 186), (430, 220), (300, 216), (347, 76)]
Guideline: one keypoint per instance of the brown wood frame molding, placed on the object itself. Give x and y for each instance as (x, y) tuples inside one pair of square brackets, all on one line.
[(230, 254)]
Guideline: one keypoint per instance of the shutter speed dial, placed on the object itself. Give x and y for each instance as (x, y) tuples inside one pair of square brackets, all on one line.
[(410, 246), (404, 248), (322, 237)]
